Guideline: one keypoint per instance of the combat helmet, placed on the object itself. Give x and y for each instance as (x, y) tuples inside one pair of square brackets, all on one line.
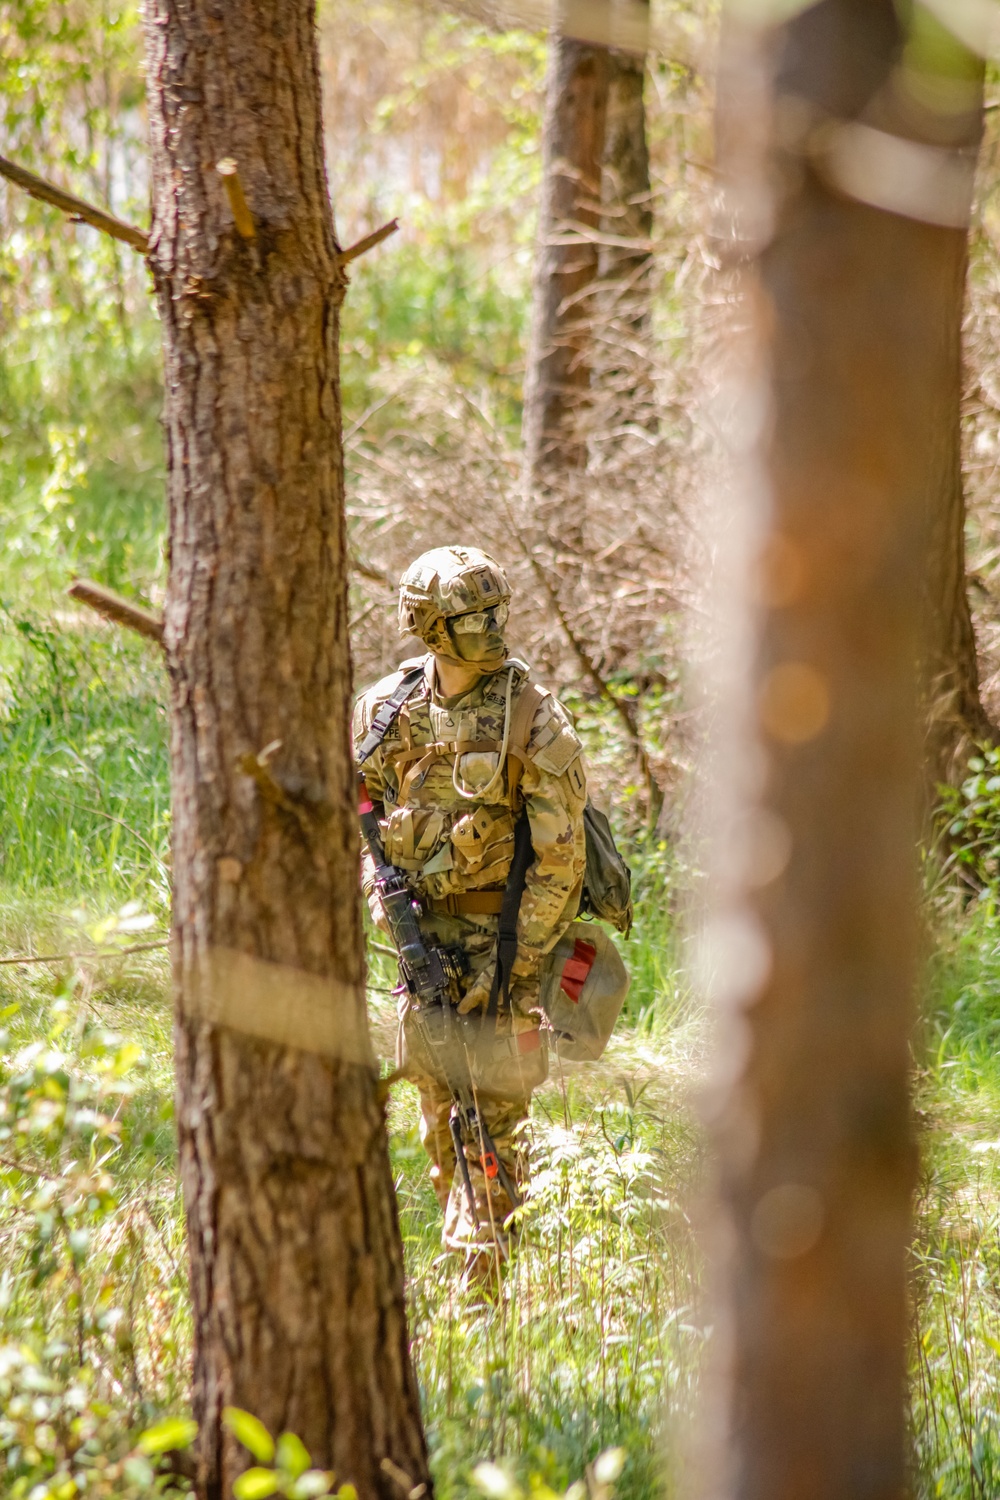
[(461, 585)]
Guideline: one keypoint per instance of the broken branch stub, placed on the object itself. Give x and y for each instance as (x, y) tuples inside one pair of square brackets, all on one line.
[(361, 247), (242, 217), (76, 208), (120, 611)]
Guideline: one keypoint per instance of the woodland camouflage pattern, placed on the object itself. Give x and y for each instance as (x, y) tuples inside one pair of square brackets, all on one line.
[(450, 844)]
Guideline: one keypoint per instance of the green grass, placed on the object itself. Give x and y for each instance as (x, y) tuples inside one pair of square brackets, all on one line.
[(84, 780), (956, 1259), (600, 1337)]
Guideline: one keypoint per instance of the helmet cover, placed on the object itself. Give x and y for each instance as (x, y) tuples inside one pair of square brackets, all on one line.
[(443, 583)]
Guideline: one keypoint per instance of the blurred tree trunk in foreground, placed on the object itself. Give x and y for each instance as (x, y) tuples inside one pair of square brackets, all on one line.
[(296, 1262), (853, 209), (557, 383), (955, 717), (622, 374)]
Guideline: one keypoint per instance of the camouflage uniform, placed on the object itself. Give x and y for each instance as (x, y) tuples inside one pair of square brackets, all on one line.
[(457, 849)]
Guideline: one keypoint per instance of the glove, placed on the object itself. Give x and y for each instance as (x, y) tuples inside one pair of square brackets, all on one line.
[(479, 991), (377, 911), (524, 994)]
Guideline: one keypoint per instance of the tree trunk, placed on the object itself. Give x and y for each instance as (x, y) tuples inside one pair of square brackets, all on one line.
[(296, 1262), (623, 390), (557, 386), (954, 715), (849, 382)]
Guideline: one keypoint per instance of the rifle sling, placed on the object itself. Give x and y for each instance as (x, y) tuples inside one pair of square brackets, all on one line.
[(507, 927), (387, 714)]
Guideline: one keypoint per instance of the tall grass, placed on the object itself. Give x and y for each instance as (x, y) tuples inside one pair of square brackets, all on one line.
[(599, 1337), (84, 793), (955, 1379)]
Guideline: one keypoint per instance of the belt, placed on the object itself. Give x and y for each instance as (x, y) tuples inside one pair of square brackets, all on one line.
[(466, 904)]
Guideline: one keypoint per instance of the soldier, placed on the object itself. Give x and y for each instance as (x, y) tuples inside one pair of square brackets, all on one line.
[(474, 744)]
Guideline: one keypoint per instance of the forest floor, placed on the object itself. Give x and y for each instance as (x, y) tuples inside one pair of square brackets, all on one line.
[(601, 1336)]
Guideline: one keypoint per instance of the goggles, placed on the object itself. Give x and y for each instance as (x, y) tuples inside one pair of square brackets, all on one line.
[(480, 621)]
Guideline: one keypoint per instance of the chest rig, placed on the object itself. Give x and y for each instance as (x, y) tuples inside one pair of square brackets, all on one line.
[(484, 767)]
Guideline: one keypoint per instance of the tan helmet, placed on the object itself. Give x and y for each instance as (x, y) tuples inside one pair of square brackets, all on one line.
[(445, 582)]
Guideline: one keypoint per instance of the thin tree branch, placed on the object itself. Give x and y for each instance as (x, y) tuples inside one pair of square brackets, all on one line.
[(113, 607), (76, 208), (18, 1166), (361, 247), (654, 794), (98, 957), (368, 570)]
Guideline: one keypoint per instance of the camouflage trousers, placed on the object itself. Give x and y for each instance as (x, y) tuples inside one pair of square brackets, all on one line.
[(461, 1232)]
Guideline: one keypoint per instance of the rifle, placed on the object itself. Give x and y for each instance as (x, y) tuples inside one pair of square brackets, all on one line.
[(428, 972)]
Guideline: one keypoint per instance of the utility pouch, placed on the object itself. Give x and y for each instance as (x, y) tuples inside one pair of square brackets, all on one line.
[(459, 1050), (411, 836), (481, 838), (583, 985)]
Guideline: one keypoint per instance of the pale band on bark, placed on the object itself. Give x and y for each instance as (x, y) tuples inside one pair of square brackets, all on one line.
[(281, 1004), (621, 24), (929, 183), (974, 22)]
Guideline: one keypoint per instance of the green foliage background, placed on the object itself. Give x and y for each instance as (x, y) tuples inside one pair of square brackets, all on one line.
[(606, 1316)]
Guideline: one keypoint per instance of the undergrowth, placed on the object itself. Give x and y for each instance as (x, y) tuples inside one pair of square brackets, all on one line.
[(600, 1337)]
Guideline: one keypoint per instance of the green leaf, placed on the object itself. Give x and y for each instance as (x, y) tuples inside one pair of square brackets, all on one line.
[(251, 1432), (313, 1483), (492, 1480), (255, 1484), (173, 1432), (137, 1471), (292, 1455), (608, 1465)]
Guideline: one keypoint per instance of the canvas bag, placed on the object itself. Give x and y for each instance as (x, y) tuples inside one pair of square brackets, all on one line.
[(467, 1050), (583, 987), (607, 884)]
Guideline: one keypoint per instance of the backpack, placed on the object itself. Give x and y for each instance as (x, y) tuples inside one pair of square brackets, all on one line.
[(607, 883)]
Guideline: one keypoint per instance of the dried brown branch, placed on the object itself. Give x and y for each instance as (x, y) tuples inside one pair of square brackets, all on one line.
[(654, 793), (96, 957), (361, 247), (240, 209), (76, 208), (376, 575), (113, 607)]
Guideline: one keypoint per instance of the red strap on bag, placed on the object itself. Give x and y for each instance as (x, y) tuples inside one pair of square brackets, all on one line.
[(576, 968), (528, 1041)]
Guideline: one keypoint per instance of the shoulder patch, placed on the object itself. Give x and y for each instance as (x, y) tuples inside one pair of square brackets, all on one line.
[(559, 753), (554, 743)]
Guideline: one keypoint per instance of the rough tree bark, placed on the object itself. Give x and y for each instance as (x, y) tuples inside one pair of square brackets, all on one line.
[(622, 376), (296, 1264), (855, 204), (560, 357), (954, 714)]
